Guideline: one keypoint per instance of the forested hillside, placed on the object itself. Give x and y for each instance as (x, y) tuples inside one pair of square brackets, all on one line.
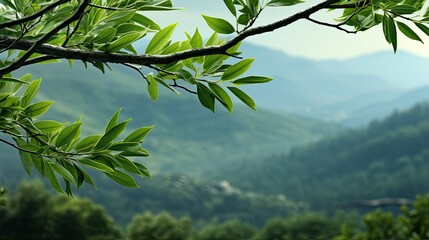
[(389, 158)]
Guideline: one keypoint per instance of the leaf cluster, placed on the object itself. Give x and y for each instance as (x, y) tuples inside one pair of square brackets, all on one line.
[(56, 150)]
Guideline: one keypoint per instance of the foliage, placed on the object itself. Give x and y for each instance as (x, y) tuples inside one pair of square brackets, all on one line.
[(411, 224), (159, 227), (230, 230), (311, 226), (44, 216), (3, 200), (103, 32)]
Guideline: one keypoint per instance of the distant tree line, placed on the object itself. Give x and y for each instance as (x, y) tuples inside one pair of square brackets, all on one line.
[(34, 213)]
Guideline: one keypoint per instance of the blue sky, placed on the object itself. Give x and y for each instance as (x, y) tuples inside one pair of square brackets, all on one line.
[(300, 39)]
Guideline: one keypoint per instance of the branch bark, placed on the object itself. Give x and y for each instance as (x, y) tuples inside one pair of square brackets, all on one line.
[(91, 56)]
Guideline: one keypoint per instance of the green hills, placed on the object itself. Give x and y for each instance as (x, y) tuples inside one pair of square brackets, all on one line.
[(388, 158)]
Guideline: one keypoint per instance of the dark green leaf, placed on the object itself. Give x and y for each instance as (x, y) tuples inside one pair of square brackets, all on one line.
[(281, 3), (96, 165), (206, 96), (230, 6), (123, 179), (50, 174), (109, 136), (252, 80), (87, 143), (389, 30), (68, 134), (407, 31), (128, 165)]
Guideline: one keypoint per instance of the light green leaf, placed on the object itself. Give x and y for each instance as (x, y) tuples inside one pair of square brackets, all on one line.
[(123, 179), (222, 96), (243, 97), (407, 31), (206, 96), (196, 40), (252, 80), (109, 136), (160, 39), (38, 109), (48, 126), (237, 69), (146, 22), (139, 134), (104, 36), (219, 25), (96, 165), (124, 41), (152, 87), (30, 92), (68, 134), (113, 120)]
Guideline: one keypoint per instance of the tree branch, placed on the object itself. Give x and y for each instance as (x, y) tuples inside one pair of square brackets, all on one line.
[(33, 16), (337, 26), (61, 52), (362, 3)]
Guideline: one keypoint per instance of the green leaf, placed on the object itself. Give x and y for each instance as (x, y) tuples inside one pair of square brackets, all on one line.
[(26, 161), (243, 97), (128, 165), (68, 134), (38, 109), (104, 36), (50, 174), (163, 83), (138, 135), (64, 173), (143, 170), (160, 39), (407, 31), (124, 41), (144, 21), (113, 120), (252, 80), (196, 41), (404, 9), (422, 27), (83, 176), (138, 152), (48, 126), (152, 87), (96, 165), (206, 96), (30, 92), (87, 143), (237, 69), (389, 30), (123, 179), (222, 96), (219, 25), (10, 79), (281, 3), (230, 5), (109, 136)]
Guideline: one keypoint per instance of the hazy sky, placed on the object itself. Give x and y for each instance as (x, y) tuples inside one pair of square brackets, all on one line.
[(301, 38)]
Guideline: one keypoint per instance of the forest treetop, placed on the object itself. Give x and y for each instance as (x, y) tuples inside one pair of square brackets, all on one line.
[(104, 32)]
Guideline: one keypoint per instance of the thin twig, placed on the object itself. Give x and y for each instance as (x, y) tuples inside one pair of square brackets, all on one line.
[(136, 69), (337, 26), (182, 87)]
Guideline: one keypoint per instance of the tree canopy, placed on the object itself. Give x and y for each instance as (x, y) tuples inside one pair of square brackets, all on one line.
[(100, 33)]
